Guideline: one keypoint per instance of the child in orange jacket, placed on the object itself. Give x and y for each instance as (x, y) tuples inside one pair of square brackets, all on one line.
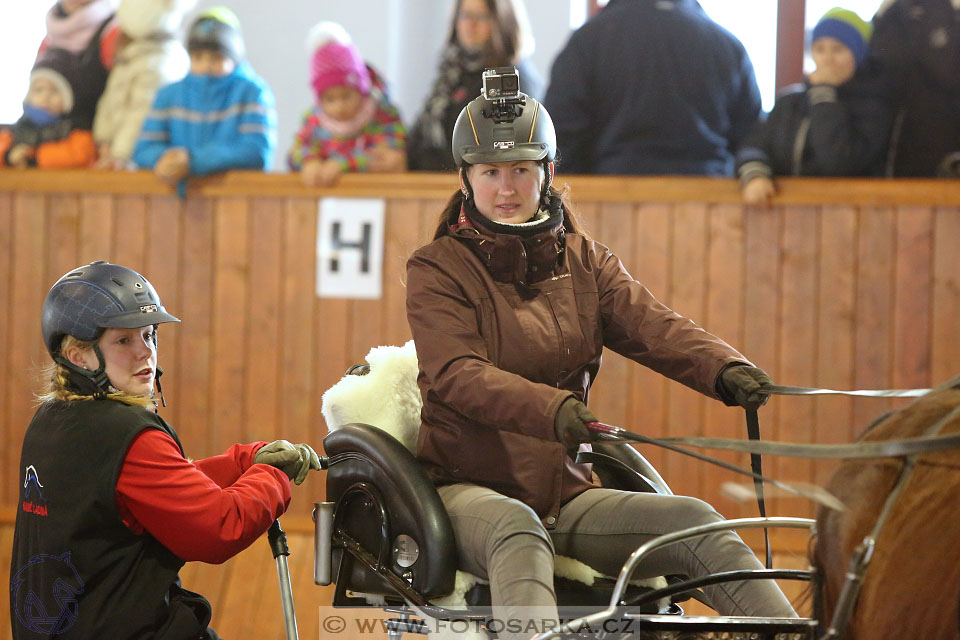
[(45, 136)]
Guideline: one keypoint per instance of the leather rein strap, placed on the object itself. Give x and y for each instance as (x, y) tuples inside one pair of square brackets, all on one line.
[(755, 447), (753, 433)]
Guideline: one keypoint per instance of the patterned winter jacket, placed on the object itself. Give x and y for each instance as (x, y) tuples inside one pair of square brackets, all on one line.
[(314, 141)]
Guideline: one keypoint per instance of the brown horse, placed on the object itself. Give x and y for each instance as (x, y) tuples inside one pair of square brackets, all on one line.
[(911, 588)]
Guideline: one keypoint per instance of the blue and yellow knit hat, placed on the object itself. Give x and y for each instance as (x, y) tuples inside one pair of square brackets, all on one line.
[(217, 29), (847, 27)]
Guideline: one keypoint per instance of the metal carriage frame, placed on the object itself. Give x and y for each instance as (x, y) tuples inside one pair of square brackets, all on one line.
[(383, 534)]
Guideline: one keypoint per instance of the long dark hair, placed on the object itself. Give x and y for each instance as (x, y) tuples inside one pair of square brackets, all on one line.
[(451, 211), (507, 38)]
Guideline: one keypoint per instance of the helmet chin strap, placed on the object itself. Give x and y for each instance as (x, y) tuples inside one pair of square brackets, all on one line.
[(156, 381), (466, 188), (548, 181), (156, 378), (98, 376)]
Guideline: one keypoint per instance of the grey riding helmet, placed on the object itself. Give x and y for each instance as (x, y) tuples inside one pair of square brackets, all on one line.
[(95, 297), (488, 132)]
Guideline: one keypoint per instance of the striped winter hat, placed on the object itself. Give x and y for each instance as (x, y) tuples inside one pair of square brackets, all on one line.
[(847, 27)]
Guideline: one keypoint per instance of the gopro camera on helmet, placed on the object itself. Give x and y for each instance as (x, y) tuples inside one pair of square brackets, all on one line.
[(508, 127), (501, 88), (501, 83)]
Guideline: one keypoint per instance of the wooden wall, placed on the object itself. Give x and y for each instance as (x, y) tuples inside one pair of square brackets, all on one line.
[(843, 283)]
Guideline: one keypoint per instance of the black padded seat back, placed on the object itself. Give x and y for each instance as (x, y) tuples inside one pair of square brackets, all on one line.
[(367, 461)]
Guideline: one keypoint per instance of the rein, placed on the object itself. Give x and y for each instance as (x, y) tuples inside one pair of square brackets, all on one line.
[(905, 447)]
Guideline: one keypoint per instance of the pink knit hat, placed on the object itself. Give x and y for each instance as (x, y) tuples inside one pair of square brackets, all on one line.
[(335, 60)]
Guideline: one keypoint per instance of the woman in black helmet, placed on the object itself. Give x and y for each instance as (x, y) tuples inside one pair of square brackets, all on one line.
[(111, 509), (510, 307)]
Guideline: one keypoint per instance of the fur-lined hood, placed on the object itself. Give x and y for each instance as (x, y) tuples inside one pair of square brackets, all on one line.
[(143, 18)]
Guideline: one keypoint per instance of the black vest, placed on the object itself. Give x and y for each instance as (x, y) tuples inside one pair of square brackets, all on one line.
[(77, 571)]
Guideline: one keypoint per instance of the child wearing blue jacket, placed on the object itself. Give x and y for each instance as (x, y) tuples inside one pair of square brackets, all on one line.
[(221, 116)]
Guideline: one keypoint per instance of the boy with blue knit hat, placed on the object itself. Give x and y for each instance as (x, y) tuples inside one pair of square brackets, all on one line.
[(221, 116), (837, 123)]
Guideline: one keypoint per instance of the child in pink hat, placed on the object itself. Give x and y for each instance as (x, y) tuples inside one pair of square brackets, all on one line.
[(352, 127)]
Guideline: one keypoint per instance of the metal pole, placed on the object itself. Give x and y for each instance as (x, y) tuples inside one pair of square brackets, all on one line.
[(278, 545), (322, 534)]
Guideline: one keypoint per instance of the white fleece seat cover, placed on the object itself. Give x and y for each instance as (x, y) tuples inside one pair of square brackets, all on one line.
[(388, 398)]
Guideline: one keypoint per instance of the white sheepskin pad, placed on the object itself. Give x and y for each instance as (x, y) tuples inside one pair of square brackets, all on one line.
[(386, 398)]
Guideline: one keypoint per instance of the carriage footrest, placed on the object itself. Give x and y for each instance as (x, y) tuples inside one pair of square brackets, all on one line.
[(411, 625), (798, 627)]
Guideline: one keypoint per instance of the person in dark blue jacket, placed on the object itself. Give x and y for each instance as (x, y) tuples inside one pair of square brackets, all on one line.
[(221, 116), (837, 123), (652, 87)]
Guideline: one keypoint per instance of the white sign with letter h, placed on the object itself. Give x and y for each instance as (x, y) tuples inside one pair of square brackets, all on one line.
[(350, 248)]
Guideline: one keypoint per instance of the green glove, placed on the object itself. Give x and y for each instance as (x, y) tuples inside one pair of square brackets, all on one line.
[(570, 424), (294, 460), (741, 384), (308, 460)]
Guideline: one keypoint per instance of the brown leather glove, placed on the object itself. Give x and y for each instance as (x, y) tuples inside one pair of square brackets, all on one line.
[(570, 424), (741, 383)]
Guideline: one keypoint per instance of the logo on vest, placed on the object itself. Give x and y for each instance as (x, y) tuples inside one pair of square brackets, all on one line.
[(45, 594), (33, 500)]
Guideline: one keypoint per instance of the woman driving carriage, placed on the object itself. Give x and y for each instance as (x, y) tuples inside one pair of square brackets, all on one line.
[(111, 508), (510, 307)]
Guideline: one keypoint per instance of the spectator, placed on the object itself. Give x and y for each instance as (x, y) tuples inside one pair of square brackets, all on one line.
[(85, 29), (483, 34), (352, 127), (47, 136), (652, 87), (837, 123), (220, 117), (150, 57), (918, 41)]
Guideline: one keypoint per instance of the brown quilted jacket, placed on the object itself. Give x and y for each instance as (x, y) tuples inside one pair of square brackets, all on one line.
[(497, 358)]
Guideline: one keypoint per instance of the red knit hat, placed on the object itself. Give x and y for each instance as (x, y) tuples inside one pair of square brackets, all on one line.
[(335, 60)]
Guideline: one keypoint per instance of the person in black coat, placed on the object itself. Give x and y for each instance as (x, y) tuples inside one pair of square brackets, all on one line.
[(918, 42), (652, 87), (837, 123)]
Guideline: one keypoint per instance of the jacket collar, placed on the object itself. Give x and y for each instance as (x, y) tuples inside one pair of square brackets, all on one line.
[(520, 254)]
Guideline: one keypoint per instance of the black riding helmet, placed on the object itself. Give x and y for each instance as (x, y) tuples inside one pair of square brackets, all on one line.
[(497, 130), (88, 300), (482, 135)]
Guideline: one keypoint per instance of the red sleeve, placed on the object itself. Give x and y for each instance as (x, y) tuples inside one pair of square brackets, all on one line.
[(226, 468), (108, 44), (161, 492)]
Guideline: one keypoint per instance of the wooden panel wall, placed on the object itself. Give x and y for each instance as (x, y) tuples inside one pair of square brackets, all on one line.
[(842, 283)]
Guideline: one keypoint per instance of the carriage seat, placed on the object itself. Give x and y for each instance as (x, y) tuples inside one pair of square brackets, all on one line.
[(395, 542)]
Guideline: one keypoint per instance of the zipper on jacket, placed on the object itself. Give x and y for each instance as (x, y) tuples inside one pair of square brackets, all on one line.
[(562, 342)]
